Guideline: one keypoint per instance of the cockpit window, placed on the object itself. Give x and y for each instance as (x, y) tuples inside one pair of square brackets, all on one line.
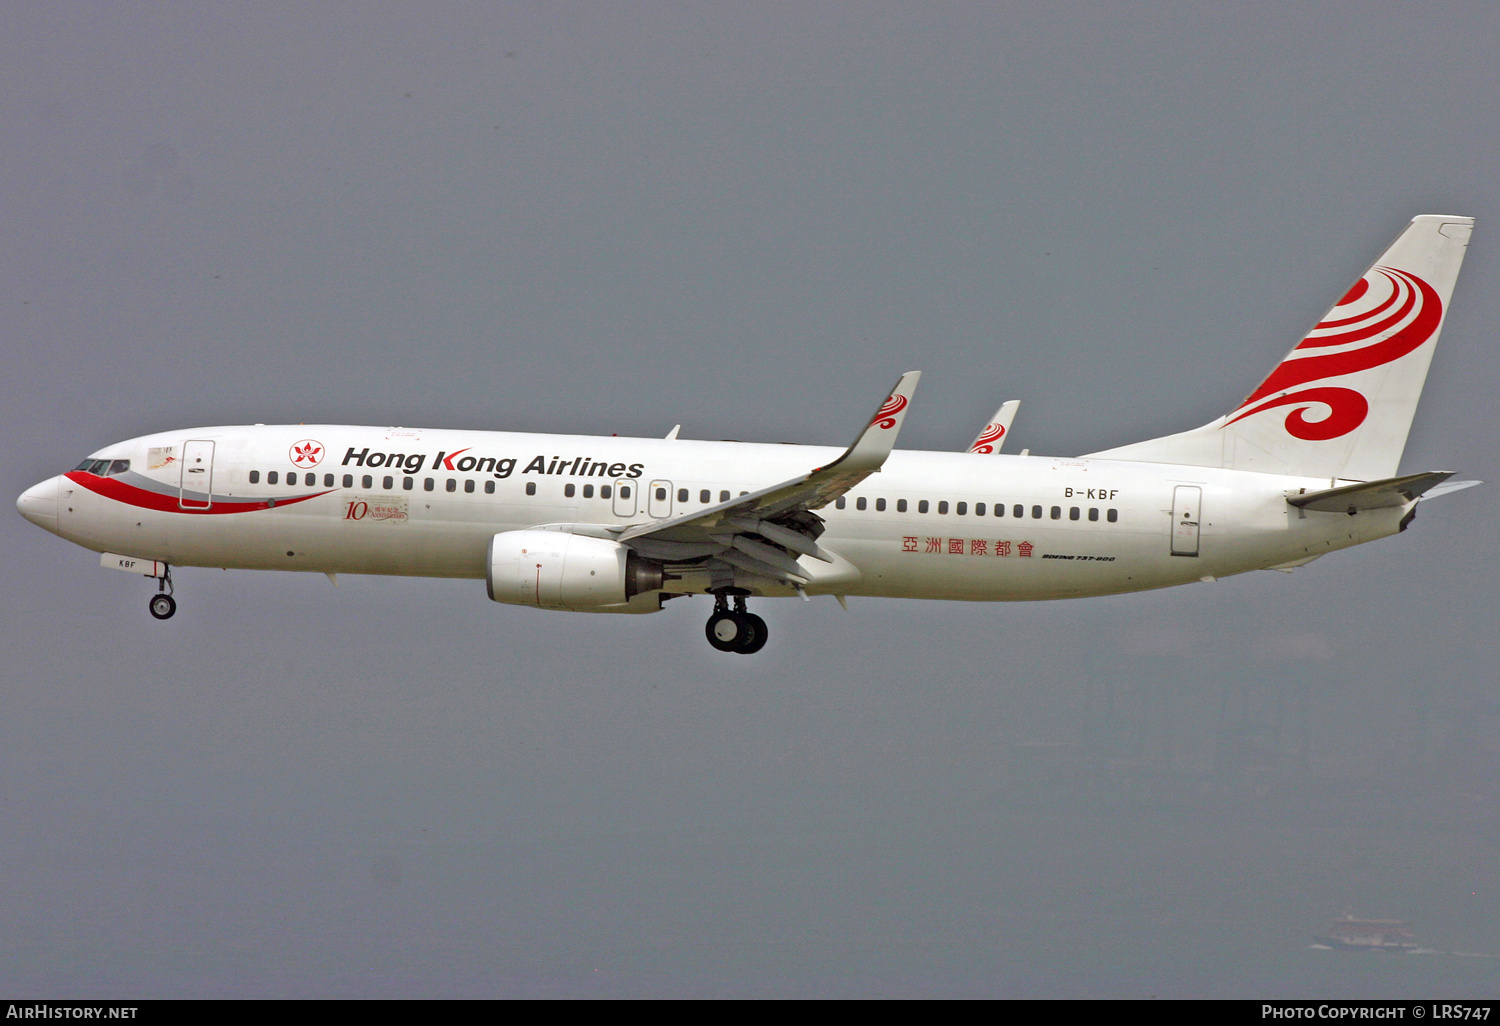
[(103, 468)]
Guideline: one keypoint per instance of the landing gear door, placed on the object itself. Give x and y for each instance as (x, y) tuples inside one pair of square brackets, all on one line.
[(1187, 502), (197, 475)]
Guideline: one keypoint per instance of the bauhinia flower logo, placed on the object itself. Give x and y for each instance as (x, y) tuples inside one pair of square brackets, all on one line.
[(306, 453), (991, 434), (886, 418)]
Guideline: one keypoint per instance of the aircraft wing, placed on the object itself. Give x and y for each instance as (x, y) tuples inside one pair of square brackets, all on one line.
[(763, 532)]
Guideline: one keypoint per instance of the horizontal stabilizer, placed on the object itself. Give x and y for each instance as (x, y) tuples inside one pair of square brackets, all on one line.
[(1393, 491), (1448, 488)]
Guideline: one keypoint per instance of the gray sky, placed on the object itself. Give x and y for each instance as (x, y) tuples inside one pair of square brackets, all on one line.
[(747, 219)]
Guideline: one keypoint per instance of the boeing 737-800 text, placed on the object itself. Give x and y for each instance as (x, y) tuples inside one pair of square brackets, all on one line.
[(1306, 464)]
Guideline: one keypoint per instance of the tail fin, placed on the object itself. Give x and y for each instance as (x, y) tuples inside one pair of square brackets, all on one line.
[(1359, 373)]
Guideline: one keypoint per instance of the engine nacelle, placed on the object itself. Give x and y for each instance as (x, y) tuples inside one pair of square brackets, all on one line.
[(554, 570)]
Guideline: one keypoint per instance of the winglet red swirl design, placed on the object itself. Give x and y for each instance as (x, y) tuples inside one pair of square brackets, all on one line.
[(991, 434), (886, 418), (1412, 306)]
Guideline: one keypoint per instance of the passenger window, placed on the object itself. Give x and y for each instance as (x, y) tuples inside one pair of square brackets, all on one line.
[(588, 491), (661, 495), (530, 487), (922, 506), (1019, 511), (328, 481), (452, 485), (723, 496), (1094, 513), (900, 505), (568, 490), (489, 488), (272, 477), (604, 491), (1036, 512), (427, 484), (943, 508), (682, 494), (255, 477), (879, 505), (979, 509), (961, 509), (469, 484), (624, 491), (840, 502), (407, 483), (705, 496), (348, 480), (1073, 513), (860, 503), (1056, 512), (367, 481), (291, 478), (388, 483), (1113, 515)]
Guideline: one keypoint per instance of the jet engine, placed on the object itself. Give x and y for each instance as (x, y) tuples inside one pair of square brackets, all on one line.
[(553, 570)]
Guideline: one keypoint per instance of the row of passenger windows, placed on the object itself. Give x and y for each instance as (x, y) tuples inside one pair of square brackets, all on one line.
[(705, 495), (388, 483), (368, 481), (1018, 511), (570, 490)]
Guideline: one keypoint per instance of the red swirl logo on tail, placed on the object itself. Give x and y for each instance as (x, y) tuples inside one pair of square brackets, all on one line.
[(991, 434), (1405, 310), (886, 418)]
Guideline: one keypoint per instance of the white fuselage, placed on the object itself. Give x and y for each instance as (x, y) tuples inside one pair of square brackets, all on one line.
[(427, 502)]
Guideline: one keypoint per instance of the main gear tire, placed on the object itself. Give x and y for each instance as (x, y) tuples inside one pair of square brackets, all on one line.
[(726, 631), (756, 633)]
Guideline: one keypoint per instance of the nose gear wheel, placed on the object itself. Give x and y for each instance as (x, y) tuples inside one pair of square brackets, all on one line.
[(163, 605)]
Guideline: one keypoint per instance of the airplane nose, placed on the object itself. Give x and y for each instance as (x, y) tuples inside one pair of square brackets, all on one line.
[(39, 504)]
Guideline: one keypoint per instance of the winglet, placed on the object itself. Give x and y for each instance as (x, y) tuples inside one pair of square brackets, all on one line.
[(993, 436), (879, 437)]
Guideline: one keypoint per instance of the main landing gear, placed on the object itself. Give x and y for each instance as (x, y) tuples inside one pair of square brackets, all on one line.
[(163, 605), (735, 630)]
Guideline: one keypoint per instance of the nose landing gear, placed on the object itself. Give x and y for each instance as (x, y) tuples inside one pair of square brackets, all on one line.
[(737, 629), (163, 605)]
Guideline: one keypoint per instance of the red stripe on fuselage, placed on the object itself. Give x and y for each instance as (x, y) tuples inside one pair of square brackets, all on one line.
[(114, 488)]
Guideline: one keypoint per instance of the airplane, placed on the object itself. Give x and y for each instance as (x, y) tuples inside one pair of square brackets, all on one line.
[(1305, 465)]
